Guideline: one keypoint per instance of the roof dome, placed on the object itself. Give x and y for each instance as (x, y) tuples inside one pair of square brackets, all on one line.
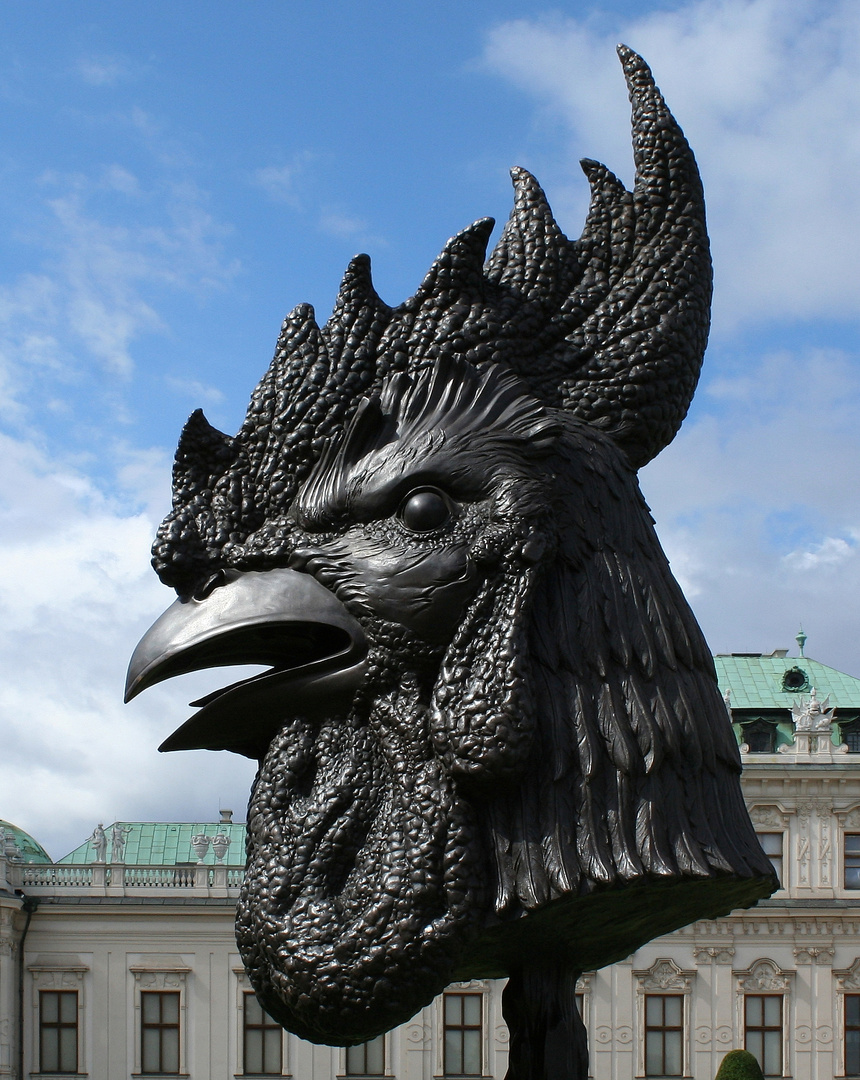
[(31, 851)]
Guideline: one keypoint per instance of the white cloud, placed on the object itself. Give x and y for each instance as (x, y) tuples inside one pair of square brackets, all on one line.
[(769, 95), (832, 552), (341, 225), (195, 391), (101, 70), (96, 296), (758, 506), (285, 183), (77, 590), (76, 594)]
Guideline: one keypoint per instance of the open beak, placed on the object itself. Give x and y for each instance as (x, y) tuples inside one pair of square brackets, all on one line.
[(314, 648)]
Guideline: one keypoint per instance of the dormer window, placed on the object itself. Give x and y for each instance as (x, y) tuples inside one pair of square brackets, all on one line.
[(760, 737), (850, 733)]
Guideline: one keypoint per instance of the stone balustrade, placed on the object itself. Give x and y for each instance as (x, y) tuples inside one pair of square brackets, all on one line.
[(120, 879)]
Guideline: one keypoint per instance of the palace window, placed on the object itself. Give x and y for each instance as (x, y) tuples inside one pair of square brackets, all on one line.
[(664, 1035), (58, 1031), (850, 733), (367, 1059), (159, 1032), (263, 1040), (464, 1037), (771, 843), (760, 737), (763, 1031), (852, 1034), (852, 860)]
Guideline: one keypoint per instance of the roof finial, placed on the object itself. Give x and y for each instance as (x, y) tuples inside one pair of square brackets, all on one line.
[(801, 639)]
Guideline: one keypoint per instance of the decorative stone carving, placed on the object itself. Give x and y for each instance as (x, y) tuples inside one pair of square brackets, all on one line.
[(825, 843), (769, 815), (804, 815), (418, 1033), (814, 954), (811, 715), (118, 834), (664, 975), (713, 954), (220, 843), (849, 978), (200, 843), (764, 974), (98, 842)]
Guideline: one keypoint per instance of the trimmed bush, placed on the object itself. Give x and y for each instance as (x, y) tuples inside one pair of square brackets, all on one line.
[(739, 1065)]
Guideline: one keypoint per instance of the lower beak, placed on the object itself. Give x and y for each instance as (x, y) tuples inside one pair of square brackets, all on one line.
[(287, 620)]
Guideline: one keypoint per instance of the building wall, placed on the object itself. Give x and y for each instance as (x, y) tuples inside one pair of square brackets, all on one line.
[(111, 933)]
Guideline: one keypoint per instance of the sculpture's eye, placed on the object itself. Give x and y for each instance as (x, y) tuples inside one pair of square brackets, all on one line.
[(424, 510)]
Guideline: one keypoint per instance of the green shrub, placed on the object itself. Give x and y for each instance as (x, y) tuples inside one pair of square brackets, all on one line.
[(739, 1065)]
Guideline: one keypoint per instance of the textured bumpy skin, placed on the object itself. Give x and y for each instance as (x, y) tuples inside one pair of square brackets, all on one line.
[(536, 771)]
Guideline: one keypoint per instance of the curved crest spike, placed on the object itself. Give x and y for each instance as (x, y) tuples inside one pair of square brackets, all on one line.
[(457, 272), (532, 251)]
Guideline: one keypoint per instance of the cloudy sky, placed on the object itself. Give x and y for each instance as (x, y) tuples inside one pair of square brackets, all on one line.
[(176, 177)]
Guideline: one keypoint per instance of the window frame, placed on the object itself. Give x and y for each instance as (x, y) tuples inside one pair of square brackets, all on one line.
[(853, 854), (57, 972), (665, 978), (846, 1027), (161, 1026), (380, 1040), (760, 726), (58, 1025), (852, 729), (160, 974), (242, 987), (262, 1028), (780, 833), (663, 1028), (462, 991), (764, 1028)]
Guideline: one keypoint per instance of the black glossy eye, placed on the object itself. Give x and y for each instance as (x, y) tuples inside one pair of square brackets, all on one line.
[(424, 510)]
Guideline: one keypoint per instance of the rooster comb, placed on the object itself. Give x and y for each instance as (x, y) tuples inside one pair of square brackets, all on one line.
[(611, 327)]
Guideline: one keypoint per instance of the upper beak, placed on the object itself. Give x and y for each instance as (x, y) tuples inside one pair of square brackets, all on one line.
[(315, 649)]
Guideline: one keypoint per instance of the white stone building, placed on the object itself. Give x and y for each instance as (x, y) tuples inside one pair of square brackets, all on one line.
[(119, 961)]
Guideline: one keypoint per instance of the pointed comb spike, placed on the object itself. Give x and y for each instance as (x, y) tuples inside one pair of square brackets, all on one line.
[(458, 269), (665, 166), (203, 446), (356, 288), (532, 247)]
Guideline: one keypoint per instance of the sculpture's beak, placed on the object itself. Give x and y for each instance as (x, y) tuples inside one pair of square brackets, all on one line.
[(315, 650)]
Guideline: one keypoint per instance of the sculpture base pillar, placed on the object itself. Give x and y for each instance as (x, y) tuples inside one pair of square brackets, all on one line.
[(548, 1040)]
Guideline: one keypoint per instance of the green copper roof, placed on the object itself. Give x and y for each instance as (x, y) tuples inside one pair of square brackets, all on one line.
[(31, 850), (770, 681), (165, 843)]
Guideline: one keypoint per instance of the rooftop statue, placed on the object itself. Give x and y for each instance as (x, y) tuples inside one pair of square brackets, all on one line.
[(490, 737)]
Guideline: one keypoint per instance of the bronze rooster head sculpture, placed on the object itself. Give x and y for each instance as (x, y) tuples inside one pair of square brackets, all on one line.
[(490, 736)]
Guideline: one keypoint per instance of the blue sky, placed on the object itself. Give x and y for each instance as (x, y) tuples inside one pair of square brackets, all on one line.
[(176, 177)]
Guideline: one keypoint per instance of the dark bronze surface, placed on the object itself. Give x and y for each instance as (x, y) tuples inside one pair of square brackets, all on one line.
[(490, 740)]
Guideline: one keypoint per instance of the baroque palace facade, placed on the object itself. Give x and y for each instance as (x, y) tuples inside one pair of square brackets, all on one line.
[(119, 960)]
